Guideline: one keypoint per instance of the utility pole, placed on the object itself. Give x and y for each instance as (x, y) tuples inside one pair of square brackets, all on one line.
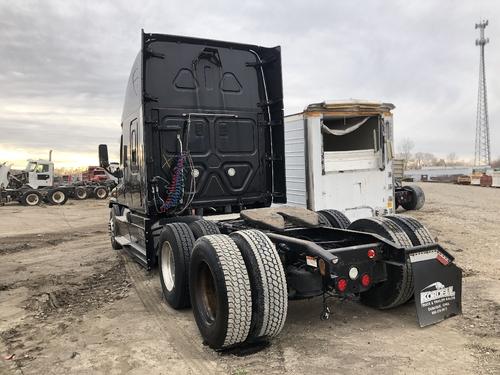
[(482, 154)]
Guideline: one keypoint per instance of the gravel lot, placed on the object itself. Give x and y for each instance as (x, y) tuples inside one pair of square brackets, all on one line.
[(70, 304)]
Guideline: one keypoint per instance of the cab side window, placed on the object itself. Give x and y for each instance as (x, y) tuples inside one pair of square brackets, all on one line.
[(42, 168)]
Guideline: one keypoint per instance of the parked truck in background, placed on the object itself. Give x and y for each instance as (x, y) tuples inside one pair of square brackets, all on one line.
[(32, 185), (94, 182), (95, 174), (203, 134), (339, 154)]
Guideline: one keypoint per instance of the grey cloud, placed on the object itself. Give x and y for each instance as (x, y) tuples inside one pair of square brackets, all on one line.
[(72, 59)]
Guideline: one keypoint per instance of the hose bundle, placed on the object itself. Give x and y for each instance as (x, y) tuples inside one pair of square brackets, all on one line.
[(175, 189)]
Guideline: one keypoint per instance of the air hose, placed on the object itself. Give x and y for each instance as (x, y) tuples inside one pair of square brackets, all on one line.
[(175, 189)]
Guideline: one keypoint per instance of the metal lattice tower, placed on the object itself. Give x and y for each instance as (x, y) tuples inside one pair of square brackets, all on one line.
[(482, 155)]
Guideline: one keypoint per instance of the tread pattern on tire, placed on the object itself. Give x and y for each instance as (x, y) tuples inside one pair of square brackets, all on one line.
[(239, 295), (323, 220), (185, 241), (422, 236), (273, 281), (336, 218), (396, 234), (203, 227), (418, 234)]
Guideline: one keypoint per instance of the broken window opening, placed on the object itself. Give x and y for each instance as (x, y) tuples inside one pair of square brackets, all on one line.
[(350, 133)]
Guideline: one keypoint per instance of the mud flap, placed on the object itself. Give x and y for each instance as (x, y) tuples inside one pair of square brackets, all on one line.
[(438, 286)]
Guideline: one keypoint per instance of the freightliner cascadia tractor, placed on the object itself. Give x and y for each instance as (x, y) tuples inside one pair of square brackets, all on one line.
[(202, 196)]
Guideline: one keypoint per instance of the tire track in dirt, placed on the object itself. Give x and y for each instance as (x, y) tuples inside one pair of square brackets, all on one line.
[(14, 244), (269, 361), (184, 344)]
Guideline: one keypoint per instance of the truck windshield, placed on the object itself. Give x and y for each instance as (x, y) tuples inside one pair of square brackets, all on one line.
[(42, 168), (31, 167)]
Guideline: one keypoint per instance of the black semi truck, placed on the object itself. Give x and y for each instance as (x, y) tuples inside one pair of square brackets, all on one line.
[(202, 196)]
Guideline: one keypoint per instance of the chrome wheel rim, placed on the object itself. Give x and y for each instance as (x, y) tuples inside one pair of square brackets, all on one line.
[(101, 193), (207, 293), (32, 199), (58, 197), (167, 266)]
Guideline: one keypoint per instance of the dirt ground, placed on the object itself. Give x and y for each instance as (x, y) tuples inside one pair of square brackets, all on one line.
[(70, 304)]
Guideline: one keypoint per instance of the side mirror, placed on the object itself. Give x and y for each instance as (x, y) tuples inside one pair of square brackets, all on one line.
[(103, 156)]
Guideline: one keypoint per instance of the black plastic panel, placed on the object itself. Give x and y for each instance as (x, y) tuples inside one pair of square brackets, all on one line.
[(224, 102)]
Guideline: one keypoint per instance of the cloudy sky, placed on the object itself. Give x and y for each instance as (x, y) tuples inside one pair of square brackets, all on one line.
[(64, 65)]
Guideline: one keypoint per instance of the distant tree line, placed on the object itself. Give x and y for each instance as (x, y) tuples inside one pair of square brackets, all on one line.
[(419, 160), (69, 171)]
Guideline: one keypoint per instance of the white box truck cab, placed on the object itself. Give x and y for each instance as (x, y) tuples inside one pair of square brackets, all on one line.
[(339, 155), (32, 185)]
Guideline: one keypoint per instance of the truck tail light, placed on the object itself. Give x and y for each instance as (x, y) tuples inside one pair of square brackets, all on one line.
[(341, 285), (371, 253), (366, 280)]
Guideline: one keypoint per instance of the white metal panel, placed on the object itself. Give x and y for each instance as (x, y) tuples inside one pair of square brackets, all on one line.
[(475, 180), (495, 179), (356, 192), (4, 171), (295, 161), (350, 160)]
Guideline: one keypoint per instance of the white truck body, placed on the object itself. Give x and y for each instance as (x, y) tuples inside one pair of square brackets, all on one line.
[(495, 179), (40, 173), (339, 156), (4, 175)]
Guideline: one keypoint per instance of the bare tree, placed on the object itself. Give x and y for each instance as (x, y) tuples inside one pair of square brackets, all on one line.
[(419, 159), (451, 159), (429, 159), (405, 149), (440, 163), (495, 163)]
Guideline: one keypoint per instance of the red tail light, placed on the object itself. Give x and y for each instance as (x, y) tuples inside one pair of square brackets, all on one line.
[(365, 280), (342, 285), (371, 253)]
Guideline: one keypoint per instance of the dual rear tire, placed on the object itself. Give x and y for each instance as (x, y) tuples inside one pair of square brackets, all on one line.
[(398, 287), (175, 245), (333, 218), (101, 192), (57, 197), (31, 198), (238, 288), (235, 284), (81, 193), (405, 232)]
